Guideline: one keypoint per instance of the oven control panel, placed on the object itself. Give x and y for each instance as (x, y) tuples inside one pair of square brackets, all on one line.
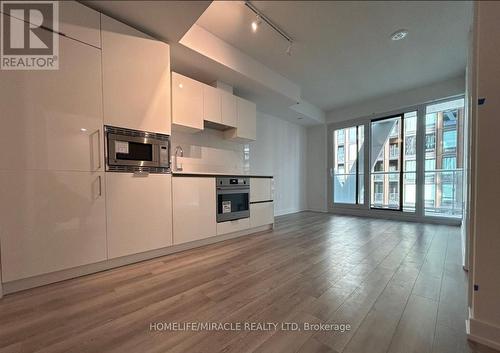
[(236, 181)]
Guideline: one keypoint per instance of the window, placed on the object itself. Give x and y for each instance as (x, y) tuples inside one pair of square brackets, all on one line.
[(410, 145), (430, 141), (348, 179), (443, 177), (340, 154), (449, 163), (450, 118), (449, 140), (430, 164)]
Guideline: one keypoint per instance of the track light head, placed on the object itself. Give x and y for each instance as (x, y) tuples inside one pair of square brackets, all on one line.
[(256, 23)]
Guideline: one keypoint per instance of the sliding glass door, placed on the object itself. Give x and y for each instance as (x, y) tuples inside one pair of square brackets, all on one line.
[(393, 153)]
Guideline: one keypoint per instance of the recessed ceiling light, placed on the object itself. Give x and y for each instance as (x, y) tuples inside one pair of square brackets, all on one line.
[(83, 129), (180, 85), (399, 34)]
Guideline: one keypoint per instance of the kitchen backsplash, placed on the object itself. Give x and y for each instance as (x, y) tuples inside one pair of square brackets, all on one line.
[(207, 151)]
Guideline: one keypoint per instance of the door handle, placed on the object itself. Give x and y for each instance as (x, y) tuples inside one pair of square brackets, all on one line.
[(98, 132)]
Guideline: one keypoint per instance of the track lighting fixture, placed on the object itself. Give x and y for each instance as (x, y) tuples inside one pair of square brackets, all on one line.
[(256, 23)]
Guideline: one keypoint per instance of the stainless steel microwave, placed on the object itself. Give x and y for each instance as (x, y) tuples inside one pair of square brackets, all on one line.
[(136, 151)]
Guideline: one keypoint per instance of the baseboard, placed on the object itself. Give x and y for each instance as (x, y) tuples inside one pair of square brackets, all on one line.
[(288, 211), (317, 210), (483, 333), (37, 281)]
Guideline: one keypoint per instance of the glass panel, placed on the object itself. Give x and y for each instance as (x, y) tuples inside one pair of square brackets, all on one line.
[(385, 161), (137, 152), (348, 158), (443, 159)]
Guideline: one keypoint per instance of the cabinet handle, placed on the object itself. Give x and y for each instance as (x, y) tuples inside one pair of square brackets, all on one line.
[(100, 186), (98, 132)]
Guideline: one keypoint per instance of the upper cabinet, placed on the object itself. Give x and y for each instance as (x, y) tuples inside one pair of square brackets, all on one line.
[(187, 103), (229, 109), (212, 104), (136, 78), (246, 122), (80, 22), (54, 118), (194, 103)]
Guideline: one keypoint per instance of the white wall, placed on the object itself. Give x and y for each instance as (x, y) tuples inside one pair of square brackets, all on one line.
[(485, 242), (316, 169), (280, 150), (399, 100)]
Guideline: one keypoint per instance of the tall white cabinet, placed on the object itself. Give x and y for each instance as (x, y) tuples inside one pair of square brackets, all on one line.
[(136, 78), (52, 208)]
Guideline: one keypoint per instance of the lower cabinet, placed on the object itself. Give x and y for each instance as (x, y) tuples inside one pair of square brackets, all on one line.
[(50, 221), (194, 208), (261, 214), (233, 226), (138, 212)]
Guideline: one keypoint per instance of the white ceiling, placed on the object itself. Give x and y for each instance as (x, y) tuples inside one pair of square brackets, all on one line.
[(165, 20), (342, 52)]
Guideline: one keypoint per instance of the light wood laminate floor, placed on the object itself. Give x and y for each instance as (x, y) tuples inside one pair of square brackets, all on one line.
[(399, 285)]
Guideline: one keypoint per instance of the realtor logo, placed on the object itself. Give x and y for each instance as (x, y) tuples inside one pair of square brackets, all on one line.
[(29, 35)]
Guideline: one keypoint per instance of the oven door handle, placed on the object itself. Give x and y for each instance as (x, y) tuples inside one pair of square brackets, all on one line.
[(232, 191)]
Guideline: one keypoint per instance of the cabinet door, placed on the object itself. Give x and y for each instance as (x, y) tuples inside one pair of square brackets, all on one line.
[(194, 208), (261, 214), (229, 112), (212, 104), (50, 221), (80, 22), (136, 78), (233, 226), (187, 103), (261, 189), (138, 212), (52, 120), (247, 114)]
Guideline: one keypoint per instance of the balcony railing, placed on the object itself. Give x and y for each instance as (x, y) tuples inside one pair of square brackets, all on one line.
[(443, 192)]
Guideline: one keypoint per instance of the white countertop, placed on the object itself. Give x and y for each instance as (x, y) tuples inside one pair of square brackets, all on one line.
[(188, 173)]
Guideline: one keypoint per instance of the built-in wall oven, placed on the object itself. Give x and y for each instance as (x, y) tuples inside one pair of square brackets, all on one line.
[(136, 151), (233, 198)]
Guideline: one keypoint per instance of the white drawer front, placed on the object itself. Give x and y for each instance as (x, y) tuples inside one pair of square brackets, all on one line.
[(233, 226), (261, 189), (261, 214)]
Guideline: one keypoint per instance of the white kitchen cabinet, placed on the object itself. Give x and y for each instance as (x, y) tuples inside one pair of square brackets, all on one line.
[(80, 22), (50, 221), (187, 103), (138, 212), (246, 122), (52, 120), (212, 104), (261, 189), (76, 21), (233, 226), (194, 204), (261, 214), (228, 109), (136, 78)]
